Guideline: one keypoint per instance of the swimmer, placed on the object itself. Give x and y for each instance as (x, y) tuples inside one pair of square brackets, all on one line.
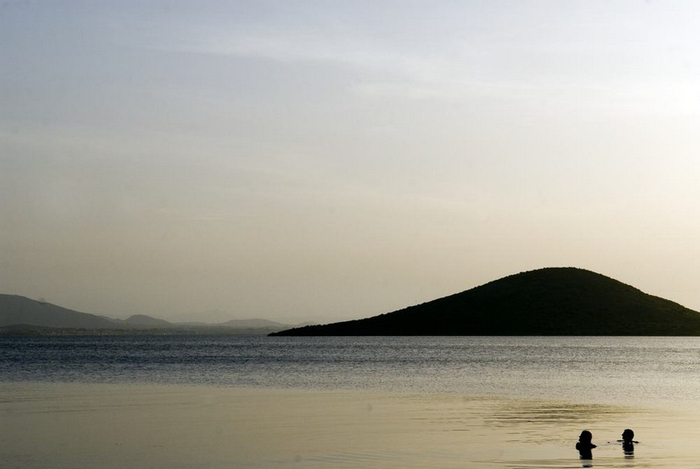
[(628, 441), (627, 437), (584, 445)]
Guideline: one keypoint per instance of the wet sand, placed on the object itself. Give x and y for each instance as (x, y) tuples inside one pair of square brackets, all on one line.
[(144, 426)]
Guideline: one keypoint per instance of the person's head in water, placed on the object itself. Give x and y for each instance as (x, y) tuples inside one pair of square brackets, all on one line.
[(627, 435), (585, 437), (584, 445), (628, 443)]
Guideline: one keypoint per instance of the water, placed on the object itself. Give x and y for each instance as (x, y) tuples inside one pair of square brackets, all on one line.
[(594, 369), (371, 402)]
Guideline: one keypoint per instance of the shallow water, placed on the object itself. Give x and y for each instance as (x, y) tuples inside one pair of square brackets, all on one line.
[(174, 426), (223, 402)]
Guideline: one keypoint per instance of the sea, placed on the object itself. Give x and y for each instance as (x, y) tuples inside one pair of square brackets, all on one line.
[(258, 402)]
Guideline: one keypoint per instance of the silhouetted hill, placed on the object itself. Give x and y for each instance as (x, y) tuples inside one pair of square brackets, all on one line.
[(16, 309), (551, 301), (141, 320)]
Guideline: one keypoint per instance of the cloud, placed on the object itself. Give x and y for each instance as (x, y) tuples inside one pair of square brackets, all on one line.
[(500, 69)]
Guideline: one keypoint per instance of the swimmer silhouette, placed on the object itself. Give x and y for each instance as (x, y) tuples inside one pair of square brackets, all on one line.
[(584, 445), (628, 442)]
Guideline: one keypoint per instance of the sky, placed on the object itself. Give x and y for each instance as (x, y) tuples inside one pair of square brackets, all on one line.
[(332, 160)]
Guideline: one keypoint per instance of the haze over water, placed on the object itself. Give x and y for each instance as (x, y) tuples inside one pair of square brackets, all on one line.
[(324, 161)]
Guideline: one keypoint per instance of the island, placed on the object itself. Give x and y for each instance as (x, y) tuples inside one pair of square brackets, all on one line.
[(553, 301)]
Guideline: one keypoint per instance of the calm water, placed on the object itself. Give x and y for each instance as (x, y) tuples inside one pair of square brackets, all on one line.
[(312, 403), (574, 368)]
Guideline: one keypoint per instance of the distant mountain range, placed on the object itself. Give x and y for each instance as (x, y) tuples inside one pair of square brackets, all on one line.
[(551, 301), (141, 320), (16, 310), (21, 315)]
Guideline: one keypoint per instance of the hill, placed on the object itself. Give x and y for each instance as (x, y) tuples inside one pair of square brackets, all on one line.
[(551, 301), (23, 316), (141, 320), (16, 309)]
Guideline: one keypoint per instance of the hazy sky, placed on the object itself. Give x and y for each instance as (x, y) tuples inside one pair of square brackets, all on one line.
[(326, 160)]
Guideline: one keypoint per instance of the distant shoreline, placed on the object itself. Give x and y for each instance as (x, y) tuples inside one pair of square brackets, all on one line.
[(22, 330)]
